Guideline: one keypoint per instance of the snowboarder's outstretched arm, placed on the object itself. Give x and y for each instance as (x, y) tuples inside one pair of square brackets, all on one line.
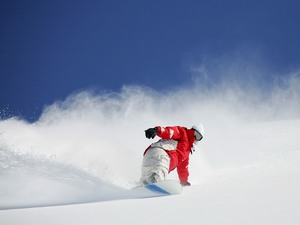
[(169, 132)]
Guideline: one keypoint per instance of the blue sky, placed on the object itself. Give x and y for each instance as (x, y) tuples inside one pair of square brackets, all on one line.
[(50, 49)]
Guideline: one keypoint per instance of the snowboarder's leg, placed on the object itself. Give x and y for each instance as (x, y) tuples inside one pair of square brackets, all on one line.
[(155, 166)]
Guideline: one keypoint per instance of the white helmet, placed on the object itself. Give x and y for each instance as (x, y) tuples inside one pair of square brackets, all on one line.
[(200, 130)]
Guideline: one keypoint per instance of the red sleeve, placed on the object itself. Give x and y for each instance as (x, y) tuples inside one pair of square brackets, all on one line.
[(169, 132), (183, 170)]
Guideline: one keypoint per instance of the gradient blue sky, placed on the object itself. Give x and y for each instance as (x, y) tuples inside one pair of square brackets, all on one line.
[(49, 49)]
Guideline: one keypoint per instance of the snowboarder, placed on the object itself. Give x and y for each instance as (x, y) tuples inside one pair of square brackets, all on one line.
[(170, 152)]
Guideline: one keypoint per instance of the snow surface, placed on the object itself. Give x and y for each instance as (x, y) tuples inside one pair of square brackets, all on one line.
[(78, 164)]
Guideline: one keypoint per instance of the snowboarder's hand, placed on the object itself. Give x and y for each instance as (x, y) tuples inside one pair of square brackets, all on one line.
[(151, 132), (185, 183)]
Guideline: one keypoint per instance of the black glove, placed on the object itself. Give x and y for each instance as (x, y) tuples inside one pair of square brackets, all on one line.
[(185, 184), (151, 132)]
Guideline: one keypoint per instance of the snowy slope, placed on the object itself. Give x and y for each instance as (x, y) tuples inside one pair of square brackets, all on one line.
[(79, 163), (265, 190)]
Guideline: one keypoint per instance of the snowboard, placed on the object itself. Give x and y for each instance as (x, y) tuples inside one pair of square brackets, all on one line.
[(165, 187)]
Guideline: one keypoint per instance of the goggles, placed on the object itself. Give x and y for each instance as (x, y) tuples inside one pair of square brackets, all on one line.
[(197, 136)]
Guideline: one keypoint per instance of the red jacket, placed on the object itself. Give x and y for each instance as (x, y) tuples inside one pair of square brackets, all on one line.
[(177, 142)]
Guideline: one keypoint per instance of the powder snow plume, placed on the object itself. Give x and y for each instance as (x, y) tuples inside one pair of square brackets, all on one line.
[(94, 141)]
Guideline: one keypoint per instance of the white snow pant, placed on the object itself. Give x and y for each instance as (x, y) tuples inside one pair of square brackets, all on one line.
[(155, 166)]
